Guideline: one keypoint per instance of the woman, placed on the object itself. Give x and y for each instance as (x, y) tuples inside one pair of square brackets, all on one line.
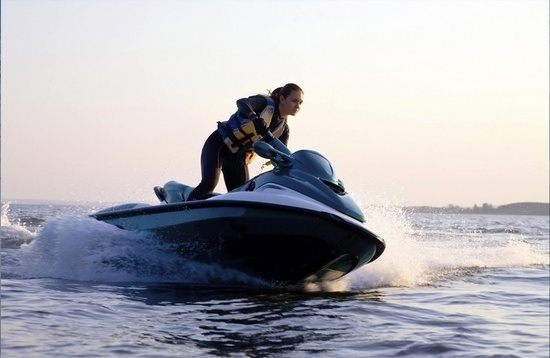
[(229, 148)]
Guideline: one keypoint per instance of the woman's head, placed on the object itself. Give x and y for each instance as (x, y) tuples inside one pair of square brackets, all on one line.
[(289, 98)]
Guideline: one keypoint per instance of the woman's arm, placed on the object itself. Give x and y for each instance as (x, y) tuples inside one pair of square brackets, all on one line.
[(251, 106), (285, 135)]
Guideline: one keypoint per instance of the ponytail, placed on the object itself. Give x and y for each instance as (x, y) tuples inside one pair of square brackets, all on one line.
[(284, 91)]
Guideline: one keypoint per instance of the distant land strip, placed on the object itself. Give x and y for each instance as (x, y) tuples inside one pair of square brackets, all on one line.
[(508, 209)]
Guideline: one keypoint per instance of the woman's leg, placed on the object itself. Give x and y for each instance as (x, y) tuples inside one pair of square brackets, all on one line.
[(211, 165), (235, 173)]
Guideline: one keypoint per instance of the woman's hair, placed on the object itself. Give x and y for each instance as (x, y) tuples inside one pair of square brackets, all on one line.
[(284, 91)]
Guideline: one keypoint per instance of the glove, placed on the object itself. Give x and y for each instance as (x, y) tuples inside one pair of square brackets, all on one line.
[(268, 137), (259, 125)]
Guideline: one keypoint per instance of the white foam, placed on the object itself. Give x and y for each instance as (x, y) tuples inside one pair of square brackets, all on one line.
[(412, 259), (13, 234), (82, 248)]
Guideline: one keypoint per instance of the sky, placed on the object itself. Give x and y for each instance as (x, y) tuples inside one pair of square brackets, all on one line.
[(415, 102)]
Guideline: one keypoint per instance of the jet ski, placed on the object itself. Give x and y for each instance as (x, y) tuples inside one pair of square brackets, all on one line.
[(291, 225)]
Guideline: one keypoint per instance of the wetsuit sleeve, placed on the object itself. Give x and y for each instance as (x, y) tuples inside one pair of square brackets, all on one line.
[(285, 135), (251, 106)]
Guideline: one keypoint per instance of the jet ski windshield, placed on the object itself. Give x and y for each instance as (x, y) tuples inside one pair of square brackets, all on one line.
[(315, 164)]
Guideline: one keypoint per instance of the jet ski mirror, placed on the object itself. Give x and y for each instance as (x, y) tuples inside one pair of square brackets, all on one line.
[(267, 151)]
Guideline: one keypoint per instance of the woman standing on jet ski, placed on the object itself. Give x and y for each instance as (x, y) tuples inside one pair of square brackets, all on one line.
[(229, 148)]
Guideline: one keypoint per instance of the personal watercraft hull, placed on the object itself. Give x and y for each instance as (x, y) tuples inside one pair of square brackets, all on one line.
[(291, 225), (280, 244)]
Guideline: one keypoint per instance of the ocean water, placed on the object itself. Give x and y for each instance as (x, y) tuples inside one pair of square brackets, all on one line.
[(447, 286)]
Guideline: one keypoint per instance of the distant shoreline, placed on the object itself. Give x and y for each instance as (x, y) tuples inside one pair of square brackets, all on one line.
[(526, 208)]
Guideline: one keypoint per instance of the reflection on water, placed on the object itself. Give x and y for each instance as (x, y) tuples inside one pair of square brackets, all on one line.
[(223, 321), (176, 294)]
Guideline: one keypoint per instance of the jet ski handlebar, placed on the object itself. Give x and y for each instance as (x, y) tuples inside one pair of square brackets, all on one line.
[(275, 151)]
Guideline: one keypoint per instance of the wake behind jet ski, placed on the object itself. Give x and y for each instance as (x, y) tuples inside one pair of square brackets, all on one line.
[(293, 224)]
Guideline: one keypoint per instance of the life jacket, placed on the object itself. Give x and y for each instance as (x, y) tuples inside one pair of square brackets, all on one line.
[(240, 133)]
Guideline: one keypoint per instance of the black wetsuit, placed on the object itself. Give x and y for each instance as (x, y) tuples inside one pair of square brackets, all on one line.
[(216, 156)]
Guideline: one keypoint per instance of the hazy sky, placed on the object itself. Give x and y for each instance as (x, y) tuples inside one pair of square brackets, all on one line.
[(420, 102)]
